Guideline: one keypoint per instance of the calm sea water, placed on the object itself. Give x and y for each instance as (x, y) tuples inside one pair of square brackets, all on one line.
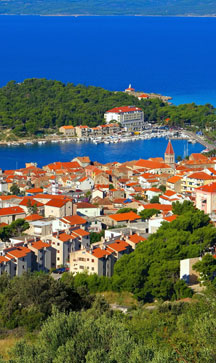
[(17, 156), (172, 56)]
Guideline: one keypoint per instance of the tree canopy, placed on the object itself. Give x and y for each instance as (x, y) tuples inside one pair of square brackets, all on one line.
[(40, 106), (152, 270), (14, 229)]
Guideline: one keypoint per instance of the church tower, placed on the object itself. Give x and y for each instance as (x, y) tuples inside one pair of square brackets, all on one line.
[(169, 156)]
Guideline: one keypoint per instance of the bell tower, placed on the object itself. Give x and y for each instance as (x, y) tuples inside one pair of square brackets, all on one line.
[(169, 156)]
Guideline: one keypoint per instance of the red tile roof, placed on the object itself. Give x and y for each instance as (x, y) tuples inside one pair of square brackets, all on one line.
[(11, 211), (100, 253), (151, 164), (118, 246), (27, 200), (153, 189), (174, 179), (64, 237), (3, 259), (33, 217), (74, 220), (19, 252), (169, 193), (81, 232), (201, 176), (130, 216), (169, 149), (170, 218), (163, 207), (124, 109), (34, 190), (39, 245), (210, 188), (57, 203), (135, 238)]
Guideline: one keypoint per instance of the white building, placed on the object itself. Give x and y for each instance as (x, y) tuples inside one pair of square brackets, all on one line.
[(130, 117)]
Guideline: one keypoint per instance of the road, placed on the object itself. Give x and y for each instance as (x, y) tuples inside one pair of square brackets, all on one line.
[(199, 139)]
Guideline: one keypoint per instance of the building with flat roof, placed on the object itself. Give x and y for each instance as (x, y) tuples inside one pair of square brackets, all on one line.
[(130, 117)]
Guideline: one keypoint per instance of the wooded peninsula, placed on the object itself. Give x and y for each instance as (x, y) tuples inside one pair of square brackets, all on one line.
[(39, 107)]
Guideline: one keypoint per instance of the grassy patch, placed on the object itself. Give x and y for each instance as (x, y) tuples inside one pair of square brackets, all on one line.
[(8, 339), (123, 298)]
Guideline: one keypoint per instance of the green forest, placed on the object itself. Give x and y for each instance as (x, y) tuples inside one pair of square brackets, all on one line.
[(56, 322), (40, 106), (119, 7)]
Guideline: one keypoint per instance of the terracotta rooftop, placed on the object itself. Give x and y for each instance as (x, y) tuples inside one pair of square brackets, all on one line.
[(130, 216), (169, 149), (11, 211), (74, 220), (135, 238)]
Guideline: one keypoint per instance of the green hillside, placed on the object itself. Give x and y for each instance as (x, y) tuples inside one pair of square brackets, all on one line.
[(41, 106), (119, 7)]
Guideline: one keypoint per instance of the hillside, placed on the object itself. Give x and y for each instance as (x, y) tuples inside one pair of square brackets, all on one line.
[(120, 7), (41, 106)]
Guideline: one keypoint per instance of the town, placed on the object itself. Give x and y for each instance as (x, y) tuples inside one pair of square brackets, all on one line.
[(83, 215)]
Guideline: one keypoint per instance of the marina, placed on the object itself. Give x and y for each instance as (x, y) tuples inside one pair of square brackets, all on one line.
[(119, 149), (148, 134)]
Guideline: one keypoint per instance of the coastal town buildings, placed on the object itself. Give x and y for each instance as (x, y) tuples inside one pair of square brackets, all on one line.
[(130, 117), (67, 130), (64, 202)]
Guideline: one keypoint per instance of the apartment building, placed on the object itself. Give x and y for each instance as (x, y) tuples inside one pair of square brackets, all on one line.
[(100, 261), (130, 117)]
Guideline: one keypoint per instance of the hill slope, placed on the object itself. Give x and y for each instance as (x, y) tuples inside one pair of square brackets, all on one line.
[(119, 7)]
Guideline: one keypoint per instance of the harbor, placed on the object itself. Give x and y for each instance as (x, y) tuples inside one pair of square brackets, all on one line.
[(149, 133)]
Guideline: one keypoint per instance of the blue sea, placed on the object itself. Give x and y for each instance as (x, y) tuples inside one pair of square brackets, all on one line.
[(15, 157), (171, 56)]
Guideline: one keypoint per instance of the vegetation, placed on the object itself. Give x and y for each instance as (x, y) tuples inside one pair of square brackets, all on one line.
[(28, 300), (155, 199), (72, 324), (97, 7), (15, 190), (96, 237), (39, 107), (152, 270), (148, 213), (126, 210), (173, 332), (16, 228)]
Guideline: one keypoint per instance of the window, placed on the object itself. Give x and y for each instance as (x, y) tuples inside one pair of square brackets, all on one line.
[(81, 267), (92, 268), (92, 260), (58, 244), (58, 251), (58, 258)]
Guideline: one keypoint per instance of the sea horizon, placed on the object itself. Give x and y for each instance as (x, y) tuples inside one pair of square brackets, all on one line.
[(89, 50)]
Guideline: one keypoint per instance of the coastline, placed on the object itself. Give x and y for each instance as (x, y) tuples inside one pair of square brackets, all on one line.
[(184, 135), (117, 15)]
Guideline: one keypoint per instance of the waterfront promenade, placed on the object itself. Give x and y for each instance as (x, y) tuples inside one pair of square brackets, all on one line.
[(200, 140)]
